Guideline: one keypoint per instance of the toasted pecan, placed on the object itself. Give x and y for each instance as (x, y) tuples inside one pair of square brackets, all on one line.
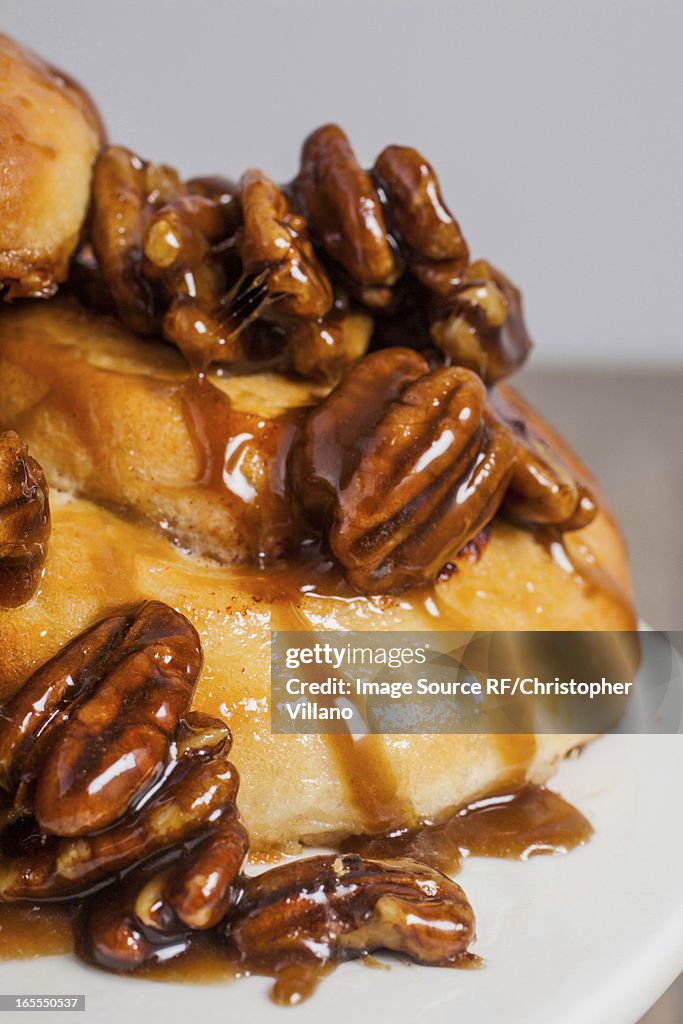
[(402, 466)]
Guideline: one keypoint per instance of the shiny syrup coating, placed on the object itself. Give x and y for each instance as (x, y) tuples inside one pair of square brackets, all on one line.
[(163, 878), (313, 275), (101, 773), (395, 225), (528, 822), (266, 260), (117, 797), (403, 467), (525, 823), (320, 910)]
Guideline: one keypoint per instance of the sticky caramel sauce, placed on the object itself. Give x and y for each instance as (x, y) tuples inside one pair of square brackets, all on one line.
[(211, 961), (30, 930), (48, 930), (238, 452), (517, 825)]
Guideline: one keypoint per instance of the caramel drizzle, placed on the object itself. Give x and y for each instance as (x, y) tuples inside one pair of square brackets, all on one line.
[(364, 766), (515, 825), (369, 778), (222, 437)]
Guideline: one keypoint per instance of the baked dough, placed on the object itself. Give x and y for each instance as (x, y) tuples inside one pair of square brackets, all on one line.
[(50, 133), (59, 366)]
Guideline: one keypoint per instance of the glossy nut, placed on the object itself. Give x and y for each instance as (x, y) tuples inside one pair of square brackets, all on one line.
[(91, 729), (179, 243), (111, 935), (543, 490), (333, 907), (401, 467), (116, 742), (126, 192), (274, 237), (481, 326), (343, 209), (324, 348), (153, 917), (201, 891), (195, 799), (417, 209)]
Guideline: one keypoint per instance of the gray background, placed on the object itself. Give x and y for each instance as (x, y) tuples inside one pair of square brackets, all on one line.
[(555, 126)]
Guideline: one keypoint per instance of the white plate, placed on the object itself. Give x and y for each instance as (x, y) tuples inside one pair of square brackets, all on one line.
[(593, 937)]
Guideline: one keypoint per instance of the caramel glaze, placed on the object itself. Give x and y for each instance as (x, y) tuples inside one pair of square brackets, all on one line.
[(518, 825), (241, 457), (268, 519)]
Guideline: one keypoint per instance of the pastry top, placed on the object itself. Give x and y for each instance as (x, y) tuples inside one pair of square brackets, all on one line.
[(50, 134)]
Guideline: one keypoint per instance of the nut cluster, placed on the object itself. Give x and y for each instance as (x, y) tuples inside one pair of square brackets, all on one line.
[(225, 271), (103, 769), (401, 466), (410, 455), (311, 273), (24, 521), (119, 797)]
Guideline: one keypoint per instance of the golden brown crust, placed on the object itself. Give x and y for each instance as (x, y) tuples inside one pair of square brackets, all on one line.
[(99, 560), (49, 135)]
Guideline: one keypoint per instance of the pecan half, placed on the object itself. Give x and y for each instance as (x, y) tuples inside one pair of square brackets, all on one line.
[(24, 521), (543, 490), (336, 907), (274, 238), (91, 730), (482, 325), (343, 208), (201, 890), (125, 193), (420, 218), (404, 466), (112, 936)]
